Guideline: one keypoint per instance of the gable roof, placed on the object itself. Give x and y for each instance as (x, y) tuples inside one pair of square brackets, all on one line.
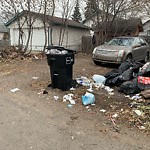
[(120, 25), (53, 20), (147, 22)]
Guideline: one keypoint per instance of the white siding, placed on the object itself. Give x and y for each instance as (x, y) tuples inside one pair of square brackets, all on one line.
[(72, 37), (1, 36)]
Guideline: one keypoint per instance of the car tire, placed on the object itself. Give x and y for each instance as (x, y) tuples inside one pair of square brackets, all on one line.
[(128, 57), (96, 62), (147, 58)]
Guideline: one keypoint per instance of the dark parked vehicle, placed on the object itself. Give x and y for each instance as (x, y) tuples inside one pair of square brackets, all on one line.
[(120, 49)]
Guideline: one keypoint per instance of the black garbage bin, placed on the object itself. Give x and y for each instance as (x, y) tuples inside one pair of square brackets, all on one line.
[(61, 67)]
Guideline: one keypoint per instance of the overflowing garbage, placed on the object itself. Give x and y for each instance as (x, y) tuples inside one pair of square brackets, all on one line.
[(131, 77)]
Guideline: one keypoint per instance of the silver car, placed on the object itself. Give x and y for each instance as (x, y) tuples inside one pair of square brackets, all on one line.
[(120, 49)]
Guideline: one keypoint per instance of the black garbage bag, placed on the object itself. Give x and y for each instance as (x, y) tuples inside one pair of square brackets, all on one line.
[(126, 75), (112, 79), (130, 87), (143, 83), (125, 66), (136, 67), (110, 73)]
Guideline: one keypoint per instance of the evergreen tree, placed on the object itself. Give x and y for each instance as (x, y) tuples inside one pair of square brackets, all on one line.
[(91, 8), (77, 15)]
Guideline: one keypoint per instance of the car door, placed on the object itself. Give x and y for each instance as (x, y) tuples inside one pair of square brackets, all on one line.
[(136, 49)]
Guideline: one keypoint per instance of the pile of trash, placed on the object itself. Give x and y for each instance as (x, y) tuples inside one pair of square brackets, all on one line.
[(139, 112), (131, 78)]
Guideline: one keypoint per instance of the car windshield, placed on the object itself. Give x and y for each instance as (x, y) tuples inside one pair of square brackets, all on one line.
[(121, 41)]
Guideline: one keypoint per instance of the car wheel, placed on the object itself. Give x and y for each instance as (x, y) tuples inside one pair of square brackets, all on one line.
[(146, 59), (96, 62), (129, 57)]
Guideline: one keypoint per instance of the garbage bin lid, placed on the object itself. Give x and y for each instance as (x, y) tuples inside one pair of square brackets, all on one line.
[(55, 47)]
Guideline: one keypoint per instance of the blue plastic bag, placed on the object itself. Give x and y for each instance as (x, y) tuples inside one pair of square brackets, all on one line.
[(88, 98)]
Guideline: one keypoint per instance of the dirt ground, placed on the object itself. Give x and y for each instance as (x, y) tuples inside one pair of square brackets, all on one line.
[(32, 120)]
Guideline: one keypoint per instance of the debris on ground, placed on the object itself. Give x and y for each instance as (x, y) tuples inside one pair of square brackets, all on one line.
[(14, 90), (70, 98), (88, 98), (103, 110), (56, 98), (35, 78)]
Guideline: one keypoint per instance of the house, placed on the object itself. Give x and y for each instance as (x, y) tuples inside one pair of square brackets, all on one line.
[(97, 17), (119, 27), (72, 31), (4, 33), (146, 29)]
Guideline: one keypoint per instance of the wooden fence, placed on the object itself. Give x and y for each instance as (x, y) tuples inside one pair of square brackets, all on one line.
[(87, 46)]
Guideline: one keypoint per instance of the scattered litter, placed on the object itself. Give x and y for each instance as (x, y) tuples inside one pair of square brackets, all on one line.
[(83, 81), (113, 121), (115, 115), (14, 90), (70, 105), (92, 104), (72, 137), (111, 93), (72, 89), (109, 90), (142, 128), (69, 97), (127, 96), (138, 112), (90, 89), (99, 85), (88, 98), (136, 97), (99, 78), (72, 101), (35, 78), (87, 107), (35, 57), (56, 98), (40, 93), (103, 110)]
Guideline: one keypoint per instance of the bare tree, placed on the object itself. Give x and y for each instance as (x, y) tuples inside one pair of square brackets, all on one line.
[(66, 11), (109, 11), (48, 9)]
